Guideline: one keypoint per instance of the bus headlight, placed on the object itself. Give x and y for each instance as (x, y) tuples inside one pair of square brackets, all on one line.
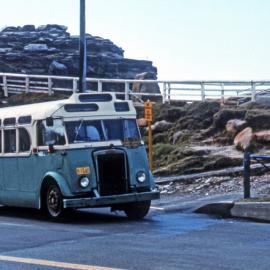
[(141, 176), (84, 182)]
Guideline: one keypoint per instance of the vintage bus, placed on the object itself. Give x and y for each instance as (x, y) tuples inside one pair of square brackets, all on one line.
[(85, 151)]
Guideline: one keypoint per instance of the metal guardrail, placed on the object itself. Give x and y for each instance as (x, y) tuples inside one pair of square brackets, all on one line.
[(170, 90), (247, 165)]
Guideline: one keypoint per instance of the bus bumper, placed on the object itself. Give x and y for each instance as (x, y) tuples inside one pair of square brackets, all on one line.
[(110, 200)]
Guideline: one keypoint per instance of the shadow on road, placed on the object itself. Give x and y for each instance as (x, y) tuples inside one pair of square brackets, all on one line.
[(79, 217)]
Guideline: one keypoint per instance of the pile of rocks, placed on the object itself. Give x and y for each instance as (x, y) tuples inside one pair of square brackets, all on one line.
[(251, 133), (50, 49)]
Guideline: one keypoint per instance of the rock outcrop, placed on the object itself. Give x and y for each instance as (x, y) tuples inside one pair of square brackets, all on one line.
[(243, 139), (262, 136), (50, 49), (205, 136), (235, 125)]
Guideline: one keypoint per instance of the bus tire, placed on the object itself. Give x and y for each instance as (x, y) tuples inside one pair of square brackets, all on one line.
[(54, 201), (137, 210)]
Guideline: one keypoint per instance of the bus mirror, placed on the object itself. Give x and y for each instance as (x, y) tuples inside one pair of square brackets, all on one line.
[(49, 122)]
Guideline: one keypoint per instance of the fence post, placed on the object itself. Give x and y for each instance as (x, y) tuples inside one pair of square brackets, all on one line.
[(169, 93), (50, 86), (202, 91), (5, 87), (164, 93), (27, 84), (222, 94), (246, 175), (253, 91), (126, 90), (99, 86), (75, 85)]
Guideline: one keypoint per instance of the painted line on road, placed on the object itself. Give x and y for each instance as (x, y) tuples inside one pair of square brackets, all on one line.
[(157, 208), (53, 263), (15, 224)]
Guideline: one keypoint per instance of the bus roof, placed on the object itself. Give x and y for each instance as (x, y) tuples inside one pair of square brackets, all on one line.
[(78, 105)]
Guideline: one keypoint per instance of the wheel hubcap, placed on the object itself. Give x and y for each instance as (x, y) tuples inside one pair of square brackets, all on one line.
[(54, 203)]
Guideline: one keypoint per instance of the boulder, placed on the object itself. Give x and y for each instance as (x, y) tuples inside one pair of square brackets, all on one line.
[(146, 87), (5, 50), (258, 119), (223, 116), (57, 68), (235, 125), (10, 29), (243, 139), (161, 126), (262, 136), (168, 112), (49, 27), (29, 27), (176, 136), (198, 115), (36, 48), (141, 122)]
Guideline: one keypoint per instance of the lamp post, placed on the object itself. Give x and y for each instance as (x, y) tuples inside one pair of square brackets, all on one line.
[(83, 56)]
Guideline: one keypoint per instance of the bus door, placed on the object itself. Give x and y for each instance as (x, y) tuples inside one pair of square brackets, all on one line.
[(26, 167), (9, 162)]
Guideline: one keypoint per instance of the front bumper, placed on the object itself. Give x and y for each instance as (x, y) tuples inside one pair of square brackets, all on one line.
[(110, 200)]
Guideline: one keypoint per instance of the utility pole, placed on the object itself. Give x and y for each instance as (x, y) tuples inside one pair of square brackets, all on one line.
[(83, 56)]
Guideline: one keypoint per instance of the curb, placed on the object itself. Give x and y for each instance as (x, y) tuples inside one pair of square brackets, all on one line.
[(252, 210), (258, 211), (222, 209)]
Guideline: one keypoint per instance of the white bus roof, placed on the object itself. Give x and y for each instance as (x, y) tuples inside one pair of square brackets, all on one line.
[(78, 105)]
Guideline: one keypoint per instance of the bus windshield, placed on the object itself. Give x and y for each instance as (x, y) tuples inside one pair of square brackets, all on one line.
[(102, 130)]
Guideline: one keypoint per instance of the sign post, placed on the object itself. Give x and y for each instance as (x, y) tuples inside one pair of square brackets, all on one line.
[(148, 114)]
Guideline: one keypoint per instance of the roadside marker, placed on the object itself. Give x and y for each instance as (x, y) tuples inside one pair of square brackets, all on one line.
[(148, 115), (53, 263)]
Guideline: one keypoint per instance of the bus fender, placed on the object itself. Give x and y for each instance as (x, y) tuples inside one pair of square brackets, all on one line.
[(60, 180), (152, 180)]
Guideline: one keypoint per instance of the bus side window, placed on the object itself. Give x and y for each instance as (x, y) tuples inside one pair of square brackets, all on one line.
[(10, 140), (24, 140), (51, 135)]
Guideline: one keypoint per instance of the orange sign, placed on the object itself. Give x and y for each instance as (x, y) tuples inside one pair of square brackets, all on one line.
[(82, 170), (148, 111)]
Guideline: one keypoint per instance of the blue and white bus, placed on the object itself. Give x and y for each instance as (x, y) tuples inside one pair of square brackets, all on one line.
[(85, 151)]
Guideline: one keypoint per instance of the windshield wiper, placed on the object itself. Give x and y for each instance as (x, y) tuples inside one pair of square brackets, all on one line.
[(78, 130)]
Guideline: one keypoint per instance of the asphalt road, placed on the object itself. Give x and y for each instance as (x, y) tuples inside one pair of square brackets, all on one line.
[(99, 240)]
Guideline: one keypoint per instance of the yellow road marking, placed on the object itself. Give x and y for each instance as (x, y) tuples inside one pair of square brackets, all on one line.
[(54, 264), (157, 208)]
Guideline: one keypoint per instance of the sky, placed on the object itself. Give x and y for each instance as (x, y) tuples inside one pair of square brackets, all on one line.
[(185, 39)]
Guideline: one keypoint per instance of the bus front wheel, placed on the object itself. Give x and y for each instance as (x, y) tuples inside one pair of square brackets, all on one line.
[(137, 210), (54, 201)]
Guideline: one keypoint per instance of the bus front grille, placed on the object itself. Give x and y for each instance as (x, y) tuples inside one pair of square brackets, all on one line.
[(112, 173)]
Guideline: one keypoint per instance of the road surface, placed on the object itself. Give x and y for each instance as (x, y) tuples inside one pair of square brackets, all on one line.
[(100, 240)]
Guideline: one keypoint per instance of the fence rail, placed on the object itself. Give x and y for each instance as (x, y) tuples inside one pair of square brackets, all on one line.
[(169, 90)]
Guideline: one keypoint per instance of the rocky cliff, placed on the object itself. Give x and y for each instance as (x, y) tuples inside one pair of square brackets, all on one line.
[(206, 136), (50, 49)]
